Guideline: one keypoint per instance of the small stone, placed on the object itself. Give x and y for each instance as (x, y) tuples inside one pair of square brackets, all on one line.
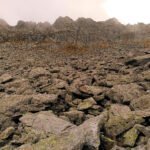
[(37, 72), (118, 148), (55, 70), (130, 137), (144, 130), (140, 147), (60, 84), (76, 101), (5, 78), (94, 112), (86, 104), (75, 116), (146, 75), (99, 98), (7, 133), (107, 142), (2, 89), (91, 90)]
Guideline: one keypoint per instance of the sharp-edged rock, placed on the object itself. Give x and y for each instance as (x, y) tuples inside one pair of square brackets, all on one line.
[(74, 138), (141, 103), (139, 60), (125, 93), (121, 118)]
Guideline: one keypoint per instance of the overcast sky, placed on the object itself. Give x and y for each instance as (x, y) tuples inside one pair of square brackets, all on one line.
[(49, 10), (130, 11)]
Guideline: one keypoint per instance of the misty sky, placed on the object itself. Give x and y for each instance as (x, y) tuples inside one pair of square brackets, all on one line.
[(49, 10)]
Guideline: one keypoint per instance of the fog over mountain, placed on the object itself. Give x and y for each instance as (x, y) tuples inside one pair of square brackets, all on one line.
[(49, 10)]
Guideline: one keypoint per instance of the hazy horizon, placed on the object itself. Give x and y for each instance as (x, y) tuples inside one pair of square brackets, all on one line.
[(98, 10)]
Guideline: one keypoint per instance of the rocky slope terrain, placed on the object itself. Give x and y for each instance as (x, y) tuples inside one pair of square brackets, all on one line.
[(52, 98), (91, 100)]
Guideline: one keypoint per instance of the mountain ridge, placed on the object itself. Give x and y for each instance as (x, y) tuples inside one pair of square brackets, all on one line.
[(65, 29)]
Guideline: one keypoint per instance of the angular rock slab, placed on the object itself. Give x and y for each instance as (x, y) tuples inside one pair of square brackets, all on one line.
[(37, 72), (125, 92), (73, 138), (45, 121), (15, 105), (139, 60), (5, 78), (121, 118), (141, 103)]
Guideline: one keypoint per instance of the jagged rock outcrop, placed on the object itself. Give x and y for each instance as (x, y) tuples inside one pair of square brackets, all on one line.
[(83, 31)]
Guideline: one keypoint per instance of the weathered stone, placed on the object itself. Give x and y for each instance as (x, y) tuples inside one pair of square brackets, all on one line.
[(60, 84), (5, 78), (45, 122), (125, 92), (142, 113), (7, 133), (86, 104), (139, 60), (28, 135), (130, 137), (37, 72), (91, 90), (118, 148), (7, 147), (15, 105), (140, 147), (77, 101), (121, 118), (73, 138), (148, 144), (107, 143), (20, 86), (74, 87), (55, 70), (141, 103), (144, 130), (146, 75), (75, 116)]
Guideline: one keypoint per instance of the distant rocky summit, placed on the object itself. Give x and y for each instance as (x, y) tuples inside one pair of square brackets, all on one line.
[(82, 30)]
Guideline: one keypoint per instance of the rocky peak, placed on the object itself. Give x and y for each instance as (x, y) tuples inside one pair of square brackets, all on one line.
[(112, 21), (62, 22), (25, 25), (3, 24)]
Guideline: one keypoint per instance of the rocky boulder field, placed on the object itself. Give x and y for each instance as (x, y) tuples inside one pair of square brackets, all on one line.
[(93, 100)]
